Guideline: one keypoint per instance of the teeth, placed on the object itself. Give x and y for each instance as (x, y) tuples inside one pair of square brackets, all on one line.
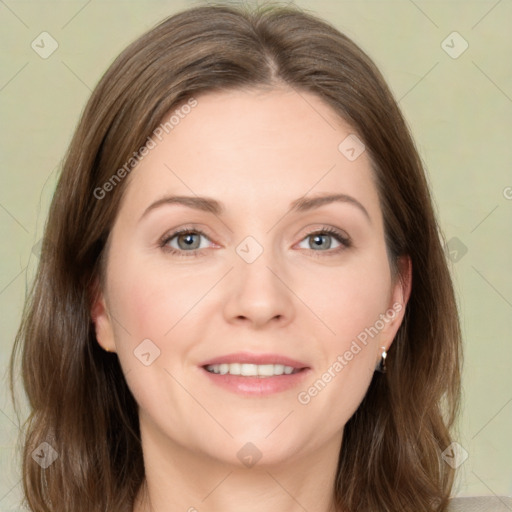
[(251, 370)]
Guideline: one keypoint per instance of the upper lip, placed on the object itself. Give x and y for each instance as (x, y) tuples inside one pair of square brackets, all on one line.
[(248, 358)]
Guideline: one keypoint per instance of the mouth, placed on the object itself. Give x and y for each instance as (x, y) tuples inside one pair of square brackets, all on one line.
[(255, 374)]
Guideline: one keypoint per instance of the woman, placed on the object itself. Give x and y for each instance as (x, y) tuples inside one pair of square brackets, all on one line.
[(242, 300)]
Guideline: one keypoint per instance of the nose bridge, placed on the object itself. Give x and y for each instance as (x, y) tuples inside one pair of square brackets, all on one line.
[(256, 292)]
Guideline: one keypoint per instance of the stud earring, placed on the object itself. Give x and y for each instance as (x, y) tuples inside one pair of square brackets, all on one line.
[(381, 366)]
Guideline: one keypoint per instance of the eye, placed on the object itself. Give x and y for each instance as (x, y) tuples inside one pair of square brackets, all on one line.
[(322, 241), (184, 241), (188, 242)]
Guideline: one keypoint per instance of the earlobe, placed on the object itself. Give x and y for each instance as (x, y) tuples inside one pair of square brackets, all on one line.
[(101, 320)]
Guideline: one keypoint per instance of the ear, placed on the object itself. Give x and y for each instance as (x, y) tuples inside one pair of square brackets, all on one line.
[(400, 293), (101, 319)]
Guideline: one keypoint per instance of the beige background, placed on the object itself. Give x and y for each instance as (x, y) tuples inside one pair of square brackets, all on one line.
[(460, 112)]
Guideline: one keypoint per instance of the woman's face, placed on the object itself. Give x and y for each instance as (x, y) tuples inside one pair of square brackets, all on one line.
[(266, 272)]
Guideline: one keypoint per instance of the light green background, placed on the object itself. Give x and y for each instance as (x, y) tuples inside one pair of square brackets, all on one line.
[(460, 113)]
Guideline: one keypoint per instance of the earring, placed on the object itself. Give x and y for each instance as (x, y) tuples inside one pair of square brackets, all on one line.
[(381, 366)]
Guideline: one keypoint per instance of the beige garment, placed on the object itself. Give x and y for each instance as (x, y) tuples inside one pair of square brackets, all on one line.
[(481, 504)]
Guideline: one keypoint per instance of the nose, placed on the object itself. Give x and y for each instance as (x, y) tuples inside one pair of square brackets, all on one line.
[(258, 293)]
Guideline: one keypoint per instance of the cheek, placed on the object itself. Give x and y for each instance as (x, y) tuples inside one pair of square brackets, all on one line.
[(153, 299), (157, 303), (349, 298), (350, 301)]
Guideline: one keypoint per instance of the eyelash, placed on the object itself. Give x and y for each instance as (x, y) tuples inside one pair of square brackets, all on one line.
[(342, 239)]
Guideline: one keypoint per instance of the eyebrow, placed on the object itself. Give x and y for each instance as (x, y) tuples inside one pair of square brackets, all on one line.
[(210, 205)]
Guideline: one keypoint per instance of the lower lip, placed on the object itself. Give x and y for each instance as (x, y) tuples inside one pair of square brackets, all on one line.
[(257, 386)]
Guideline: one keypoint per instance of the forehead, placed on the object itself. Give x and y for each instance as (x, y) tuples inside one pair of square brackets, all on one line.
[(252, 146)]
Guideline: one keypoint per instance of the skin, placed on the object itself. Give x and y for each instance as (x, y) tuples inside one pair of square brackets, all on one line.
[(255, 151)]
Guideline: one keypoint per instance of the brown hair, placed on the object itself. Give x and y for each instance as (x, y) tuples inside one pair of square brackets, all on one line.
[(390, 458)]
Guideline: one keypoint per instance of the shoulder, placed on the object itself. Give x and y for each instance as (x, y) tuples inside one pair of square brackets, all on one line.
[(481, 504)]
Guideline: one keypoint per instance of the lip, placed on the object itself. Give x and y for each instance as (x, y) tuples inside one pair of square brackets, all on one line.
[(248, 358), (256, 386)]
